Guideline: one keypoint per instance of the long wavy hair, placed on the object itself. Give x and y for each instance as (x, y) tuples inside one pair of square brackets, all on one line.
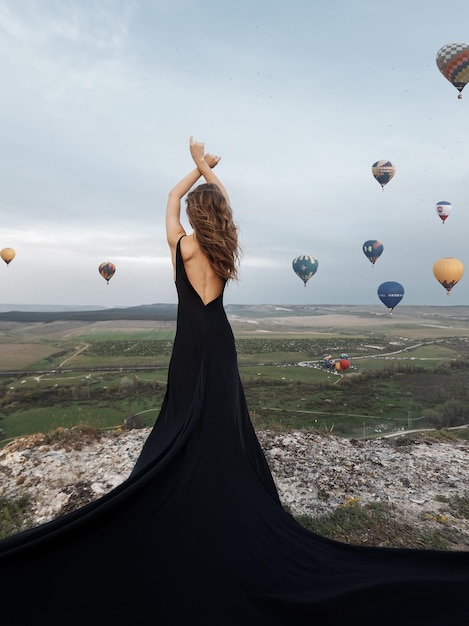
[(211, 218)]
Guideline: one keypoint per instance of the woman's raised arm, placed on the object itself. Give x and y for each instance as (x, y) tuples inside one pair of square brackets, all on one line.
[(174, 228), (204, 164)]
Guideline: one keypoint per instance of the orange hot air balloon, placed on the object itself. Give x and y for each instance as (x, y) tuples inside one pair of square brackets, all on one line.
[(107, 270), (7, 254), (342, 365), (448, 271)]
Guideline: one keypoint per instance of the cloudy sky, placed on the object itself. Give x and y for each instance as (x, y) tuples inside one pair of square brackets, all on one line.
[(299, 97)]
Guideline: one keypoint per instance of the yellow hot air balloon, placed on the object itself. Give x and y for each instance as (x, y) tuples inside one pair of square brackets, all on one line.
[(7, 254), (448, 271)]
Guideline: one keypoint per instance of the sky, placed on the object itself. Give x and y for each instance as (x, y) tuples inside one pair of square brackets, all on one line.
[(299, 97)]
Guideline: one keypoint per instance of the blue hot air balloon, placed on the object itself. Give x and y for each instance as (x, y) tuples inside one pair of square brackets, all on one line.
[(305, 266), (372, 250), (390, 294)]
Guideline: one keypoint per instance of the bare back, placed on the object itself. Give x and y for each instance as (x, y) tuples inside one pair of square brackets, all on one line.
[(200, 273)]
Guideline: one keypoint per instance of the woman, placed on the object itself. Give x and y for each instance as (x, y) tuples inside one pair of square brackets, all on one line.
[(197, 536), (213, 248)]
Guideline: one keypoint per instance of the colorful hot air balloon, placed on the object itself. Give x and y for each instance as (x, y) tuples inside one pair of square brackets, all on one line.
[(448, 271), (7, 254), (453, 62), (383, 171), (372, 250), (305, 266), (443, 209), (342, 365), (390, 294), (107, 270), (328, 361)]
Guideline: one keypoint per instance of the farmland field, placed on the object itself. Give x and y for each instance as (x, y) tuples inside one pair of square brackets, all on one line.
[(407, 371)]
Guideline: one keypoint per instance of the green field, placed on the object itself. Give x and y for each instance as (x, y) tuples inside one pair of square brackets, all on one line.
[(405, 376)]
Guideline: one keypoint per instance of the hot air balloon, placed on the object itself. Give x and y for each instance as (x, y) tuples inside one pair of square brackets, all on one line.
[(453, 62), (383, 171), (7, 254), (390, 294), (107, 270), (372, 250), (448, 271), (342, 365), (305, 266), (443, 209)]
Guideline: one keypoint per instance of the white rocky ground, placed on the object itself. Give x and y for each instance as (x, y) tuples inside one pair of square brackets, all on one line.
[(314, 473)]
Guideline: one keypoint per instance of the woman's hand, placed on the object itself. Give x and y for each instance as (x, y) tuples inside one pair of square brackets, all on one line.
[(205, 164), (211, 160), (197, 149), (198, 154)]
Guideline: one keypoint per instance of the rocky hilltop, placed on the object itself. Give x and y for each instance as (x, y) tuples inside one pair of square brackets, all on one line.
[(314, 473)]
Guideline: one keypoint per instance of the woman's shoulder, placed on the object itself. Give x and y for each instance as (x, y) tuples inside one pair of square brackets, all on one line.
[(188, 246)]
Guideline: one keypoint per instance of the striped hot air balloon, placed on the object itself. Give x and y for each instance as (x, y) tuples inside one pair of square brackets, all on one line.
[(305, 266), (453, 62)]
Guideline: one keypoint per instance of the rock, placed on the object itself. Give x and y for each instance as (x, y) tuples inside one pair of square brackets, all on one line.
[(314, 473)]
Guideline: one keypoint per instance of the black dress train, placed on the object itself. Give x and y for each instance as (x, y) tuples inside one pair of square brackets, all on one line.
[(196, 536)]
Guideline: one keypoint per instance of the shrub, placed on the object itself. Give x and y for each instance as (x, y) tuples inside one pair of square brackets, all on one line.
[(14, 515)]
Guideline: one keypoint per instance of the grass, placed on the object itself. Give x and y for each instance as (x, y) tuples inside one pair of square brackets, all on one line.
[(456, 505), (376, 524), (104, 378), (87, 362), (288, 397), (282, 372), (24, 355), (14, 515), (388, 363), (163, 334), (45, 420)]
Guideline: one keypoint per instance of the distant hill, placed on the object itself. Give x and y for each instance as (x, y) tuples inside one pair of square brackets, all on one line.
[(159, 312), (163, 312), (168, 312)]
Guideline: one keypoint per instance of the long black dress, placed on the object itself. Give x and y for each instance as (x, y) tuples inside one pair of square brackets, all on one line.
[(196, 536)]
